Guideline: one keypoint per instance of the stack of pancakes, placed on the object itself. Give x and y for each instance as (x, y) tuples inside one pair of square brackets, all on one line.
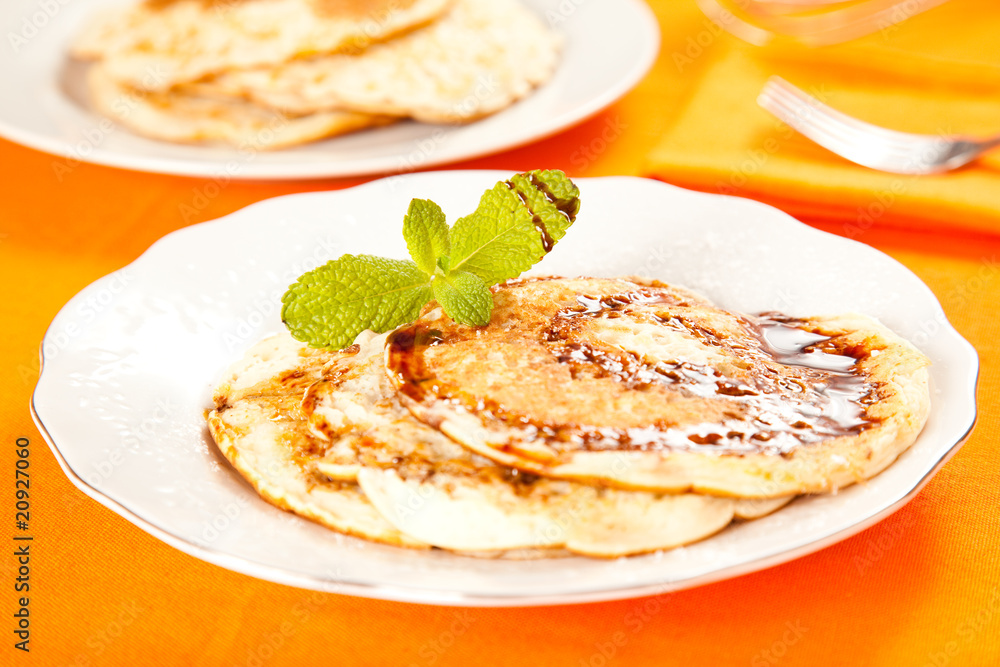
[(274, 73), (603, 417)]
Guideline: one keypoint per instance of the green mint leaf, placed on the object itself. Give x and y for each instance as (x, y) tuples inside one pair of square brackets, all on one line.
[(465, 297), (499, 240), (516, 223), (426, 234), (330, 305), (553, 198)]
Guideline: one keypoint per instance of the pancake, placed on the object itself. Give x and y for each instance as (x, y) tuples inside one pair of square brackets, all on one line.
[(259, 426), (436, 491), (647, 386), (478, 58), (324, 434), (189, 118), (157, 44)]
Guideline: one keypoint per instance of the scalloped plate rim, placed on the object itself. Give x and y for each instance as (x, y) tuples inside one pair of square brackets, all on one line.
[(418, 594)]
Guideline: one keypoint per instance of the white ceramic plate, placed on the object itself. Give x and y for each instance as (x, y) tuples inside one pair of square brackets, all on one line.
[(131, 361), (610, 44)]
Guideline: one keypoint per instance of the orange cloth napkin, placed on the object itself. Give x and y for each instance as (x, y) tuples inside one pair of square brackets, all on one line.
[(936, 73)]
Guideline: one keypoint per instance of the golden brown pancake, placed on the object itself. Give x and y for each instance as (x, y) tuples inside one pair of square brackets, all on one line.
[(325, 435), (647, 386), (258, 424)]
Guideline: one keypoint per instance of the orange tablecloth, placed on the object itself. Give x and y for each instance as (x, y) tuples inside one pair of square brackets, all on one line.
[(920, 588)]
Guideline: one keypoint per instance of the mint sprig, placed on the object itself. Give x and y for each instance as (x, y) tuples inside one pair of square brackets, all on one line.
[(326, 305), (426, 234), (516, 223), (464, 297)]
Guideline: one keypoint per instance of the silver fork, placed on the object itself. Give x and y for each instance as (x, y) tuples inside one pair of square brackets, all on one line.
[(866, 144)]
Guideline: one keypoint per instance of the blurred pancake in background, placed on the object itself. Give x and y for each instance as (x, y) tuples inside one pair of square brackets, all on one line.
[(184, 118), (475, 60), (157, 44), (276, 73)]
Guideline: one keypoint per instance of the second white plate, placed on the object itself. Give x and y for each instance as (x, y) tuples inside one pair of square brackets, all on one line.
[(610, 44), (129, 366)]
